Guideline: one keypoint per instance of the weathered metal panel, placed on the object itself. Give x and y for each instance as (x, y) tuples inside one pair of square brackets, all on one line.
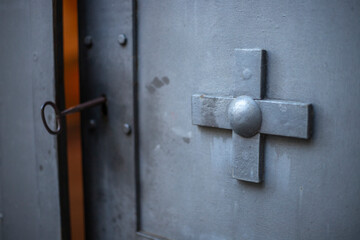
[(186, 188), (28, 154), (311, 188), (107, 67)]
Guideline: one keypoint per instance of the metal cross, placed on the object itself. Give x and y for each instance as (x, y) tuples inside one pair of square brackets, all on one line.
[(250, 117)]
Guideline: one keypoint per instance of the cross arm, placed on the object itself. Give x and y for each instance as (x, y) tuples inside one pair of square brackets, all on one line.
[(249, 116), (282, 118), (210, 111)]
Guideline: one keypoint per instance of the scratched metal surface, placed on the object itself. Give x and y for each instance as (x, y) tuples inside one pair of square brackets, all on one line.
[(29, 187), (311, 188), (108, 154)]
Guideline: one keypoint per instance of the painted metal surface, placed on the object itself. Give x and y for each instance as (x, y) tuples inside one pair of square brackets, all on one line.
[(185, 187), (29, 184), (311, 188), (107, 67)]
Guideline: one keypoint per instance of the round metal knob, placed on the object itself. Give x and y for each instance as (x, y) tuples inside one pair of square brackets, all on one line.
[(245, 116)]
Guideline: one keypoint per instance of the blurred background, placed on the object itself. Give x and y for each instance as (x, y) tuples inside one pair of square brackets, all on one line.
[(72, 96)]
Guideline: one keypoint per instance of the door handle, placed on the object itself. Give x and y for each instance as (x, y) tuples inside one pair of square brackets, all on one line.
[(89, 104)]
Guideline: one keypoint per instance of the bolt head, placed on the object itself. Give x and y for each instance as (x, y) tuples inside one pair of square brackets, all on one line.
[(247, 74), (88, 41), (122, 39), (92, 124), (126, 129), (245, 116)]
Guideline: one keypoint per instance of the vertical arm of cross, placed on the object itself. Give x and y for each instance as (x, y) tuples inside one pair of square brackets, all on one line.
[(249, 80)]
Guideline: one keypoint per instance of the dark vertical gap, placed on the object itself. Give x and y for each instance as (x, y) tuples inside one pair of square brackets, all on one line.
[(136, 119), (60, 101)]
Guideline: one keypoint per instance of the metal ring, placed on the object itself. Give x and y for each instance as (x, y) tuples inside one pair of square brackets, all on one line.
[(58, 115)]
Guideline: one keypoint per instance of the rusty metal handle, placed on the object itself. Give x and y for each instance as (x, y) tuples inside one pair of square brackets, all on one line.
[(78, 108)]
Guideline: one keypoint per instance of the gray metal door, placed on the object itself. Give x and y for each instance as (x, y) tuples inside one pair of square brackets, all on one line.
[(31, 162), (179, 172)]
